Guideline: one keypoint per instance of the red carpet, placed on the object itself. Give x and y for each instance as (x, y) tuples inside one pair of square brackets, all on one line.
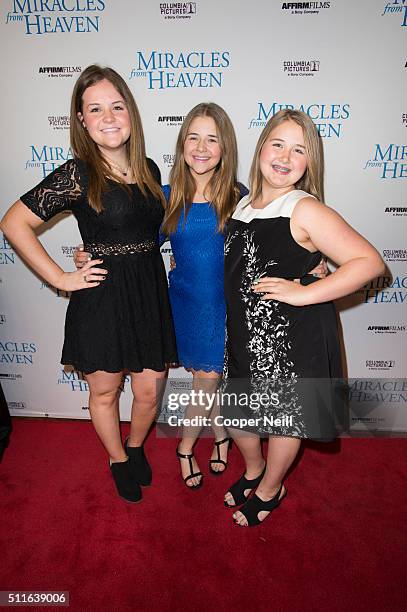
[(338, 542)]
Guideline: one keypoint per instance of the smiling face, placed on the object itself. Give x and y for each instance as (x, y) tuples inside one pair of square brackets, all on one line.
[(283, 159), (202, 151), (105, 116)]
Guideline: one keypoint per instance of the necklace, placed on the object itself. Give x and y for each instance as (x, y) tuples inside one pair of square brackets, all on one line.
[(123, 171)]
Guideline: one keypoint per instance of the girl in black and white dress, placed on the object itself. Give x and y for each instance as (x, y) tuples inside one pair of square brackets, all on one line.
[(282, 335)]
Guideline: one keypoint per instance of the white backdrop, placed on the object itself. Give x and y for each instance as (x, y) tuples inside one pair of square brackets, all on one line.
[(341, 61)]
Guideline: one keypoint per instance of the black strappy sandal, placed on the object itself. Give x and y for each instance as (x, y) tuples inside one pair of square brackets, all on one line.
[(254, 505), (238, 488), (192, 473), (219, 460)]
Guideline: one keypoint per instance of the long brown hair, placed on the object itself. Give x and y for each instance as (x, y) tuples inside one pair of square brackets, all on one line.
[(222, 188), (312, 181), (84, 148)]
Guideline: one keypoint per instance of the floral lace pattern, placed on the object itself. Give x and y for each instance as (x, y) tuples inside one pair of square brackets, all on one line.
[(56, 193), (120, 249), (271, 368)]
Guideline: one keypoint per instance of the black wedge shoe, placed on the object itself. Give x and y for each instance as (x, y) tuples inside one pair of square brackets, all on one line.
[(192, 474), (126, 485), (254, 505), (139, 465), (219, 460), (238, 488)]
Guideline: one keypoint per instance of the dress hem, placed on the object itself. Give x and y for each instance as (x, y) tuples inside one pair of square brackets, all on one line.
[(204, 368), (116, 370)]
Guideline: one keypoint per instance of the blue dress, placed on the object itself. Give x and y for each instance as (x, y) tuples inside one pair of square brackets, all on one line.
[(196, 288)]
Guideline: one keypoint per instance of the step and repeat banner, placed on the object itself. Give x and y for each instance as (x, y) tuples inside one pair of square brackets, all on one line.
[(343, 62)]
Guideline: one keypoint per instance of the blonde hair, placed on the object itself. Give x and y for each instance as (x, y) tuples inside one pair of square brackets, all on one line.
[(223, 191), (84, 148), (312, 181)]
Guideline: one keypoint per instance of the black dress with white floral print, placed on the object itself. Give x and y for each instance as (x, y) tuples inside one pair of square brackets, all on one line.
[(286, 359)]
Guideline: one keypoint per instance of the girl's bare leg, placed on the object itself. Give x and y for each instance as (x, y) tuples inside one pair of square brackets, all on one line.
[(147, 387), (250, 447), (281, 453), (207, 382), (103, 408)]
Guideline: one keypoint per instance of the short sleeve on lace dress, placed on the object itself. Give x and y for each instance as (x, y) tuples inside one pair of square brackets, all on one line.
[(58, 192), (154, 169)]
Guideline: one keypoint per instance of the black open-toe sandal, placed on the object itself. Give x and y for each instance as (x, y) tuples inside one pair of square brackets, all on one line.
[(238, 488), (191, 469), (254, 505), (219, 460)]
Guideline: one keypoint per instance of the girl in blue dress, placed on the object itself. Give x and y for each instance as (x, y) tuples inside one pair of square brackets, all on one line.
[(202, 195)]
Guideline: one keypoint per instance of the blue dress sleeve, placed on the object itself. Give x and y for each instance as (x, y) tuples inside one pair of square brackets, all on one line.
[(163, 237), (166, 191)]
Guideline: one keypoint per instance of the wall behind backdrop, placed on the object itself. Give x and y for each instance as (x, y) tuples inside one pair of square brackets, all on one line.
[(343, 62)]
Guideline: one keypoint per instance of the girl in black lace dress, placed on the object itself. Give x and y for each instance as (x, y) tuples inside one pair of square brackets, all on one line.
[(119, 317)]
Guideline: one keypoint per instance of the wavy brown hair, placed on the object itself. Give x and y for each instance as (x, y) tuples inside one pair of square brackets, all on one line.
[(222, 189), (312, 181), (84, 148)]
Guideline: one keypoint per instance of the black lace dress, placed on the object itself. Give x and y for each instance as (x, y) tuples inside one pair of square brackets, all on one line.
[(125, 323)]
